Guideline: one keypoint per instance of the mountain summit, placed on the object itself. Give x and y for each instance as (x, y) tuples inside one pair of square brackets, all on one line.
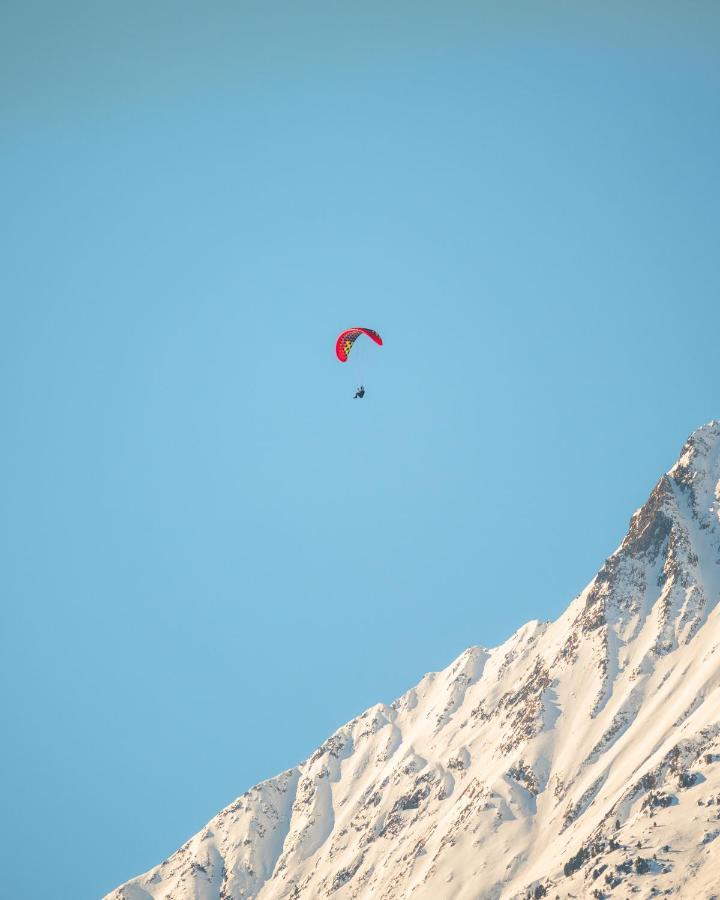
[(579, 758)]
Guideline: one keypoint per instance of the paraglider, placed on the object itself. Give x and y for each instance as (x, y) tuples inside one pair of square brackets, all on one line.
[(347, 338), (344, 345)]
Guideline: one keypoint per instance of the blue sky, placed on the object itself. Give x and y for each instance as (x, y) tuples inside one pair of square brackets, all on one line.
[(212, 556)]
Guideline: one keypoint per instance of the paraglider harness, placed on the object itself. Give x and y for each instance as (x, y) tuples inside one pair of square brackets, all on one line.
[(360, 392)]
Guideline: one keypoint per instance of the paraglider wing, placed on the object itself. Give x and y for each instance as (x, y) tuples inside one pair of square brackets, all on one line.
[(347, 338)]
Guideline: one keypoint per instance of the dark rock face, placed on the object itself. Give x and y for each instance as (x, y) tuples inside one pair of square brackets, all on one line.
[(651, 526), (686, 780), (344, 875), (524, 775)]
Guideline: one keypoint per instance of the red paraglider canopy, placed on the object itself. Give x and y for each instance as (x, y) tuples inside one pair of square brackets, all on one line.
[(347, 338)]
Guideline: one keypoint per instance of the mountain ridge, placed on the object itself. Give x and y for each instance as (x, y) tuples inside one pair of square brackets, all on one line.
[(530, 769)]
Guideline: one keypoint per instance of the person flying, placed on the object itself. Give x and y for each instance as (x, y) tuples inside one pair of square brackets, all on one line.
[(360, 392)]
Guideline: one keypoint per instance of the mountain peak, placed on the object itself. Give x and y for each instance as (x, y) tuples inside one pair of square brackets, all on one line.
[(579, 756), (697, 474)]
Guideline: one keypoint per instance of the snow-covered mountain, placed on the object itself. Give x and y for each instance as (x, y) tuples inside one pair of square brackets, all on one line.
[(581, 758)]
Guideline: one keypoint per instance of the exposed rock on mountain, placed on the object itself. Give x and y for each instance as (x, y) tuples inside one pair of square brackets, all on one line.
[(580, 758)]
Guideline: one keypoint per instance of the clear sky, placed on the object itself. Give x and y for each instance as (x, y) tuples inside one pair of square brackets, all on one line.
[(211, 555)]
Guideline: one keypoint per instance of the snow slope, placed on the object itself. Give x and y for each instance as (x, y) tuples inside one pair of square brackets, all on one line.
[(580, 758)]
